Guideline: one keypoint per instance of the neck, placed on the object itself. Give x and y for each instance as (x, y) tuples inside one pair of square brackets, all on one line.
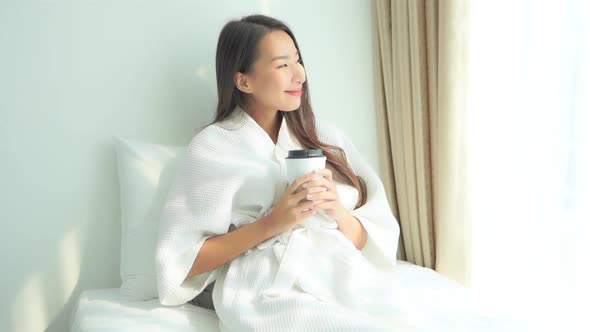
[(270, 121)]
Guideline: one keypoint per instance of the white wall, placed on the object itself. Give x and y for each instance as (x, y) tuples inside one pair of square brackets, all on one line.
[(75, 73)]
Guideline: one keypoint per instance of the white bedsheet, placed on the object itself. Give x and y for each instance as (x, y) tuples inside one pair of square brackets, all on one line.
[(102, 310)]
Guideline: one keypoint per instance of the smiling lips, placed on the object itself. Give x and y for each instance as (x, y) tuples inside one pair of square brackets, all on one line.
[(295, 92)]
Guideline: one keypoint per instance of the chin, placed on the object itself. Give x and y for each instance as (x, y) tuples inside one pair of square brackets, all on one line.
[(291, 108)]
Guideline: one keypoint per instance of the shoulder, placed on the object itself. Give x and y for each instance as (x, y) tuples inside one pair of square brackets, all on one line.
[(222, 135), (330, 134), (210, 140), (208, 152)]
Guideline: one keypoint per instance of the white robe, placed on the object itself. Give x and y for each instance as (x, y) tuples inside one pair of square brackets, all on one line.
[(310, 278)]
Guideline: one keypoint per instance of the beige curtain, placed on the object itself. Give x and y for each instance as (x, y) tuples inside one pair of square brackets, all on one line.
[(420, 72)]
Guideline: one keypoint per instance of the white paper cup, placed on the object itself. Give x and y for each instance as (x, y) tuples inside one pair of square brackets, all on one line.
[(301, 162)]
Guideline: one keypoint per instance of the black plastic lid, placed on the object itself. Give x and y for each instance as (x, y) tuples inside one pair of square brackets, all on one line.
[(301, 154)]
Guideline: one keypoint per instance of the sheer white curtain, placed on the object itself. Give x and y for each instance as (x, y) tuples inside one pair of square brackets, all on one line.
[(528, 158)]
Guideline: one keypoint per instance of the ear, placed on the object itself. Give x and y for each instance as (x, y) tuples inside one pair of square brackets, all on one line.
[(241, 81)]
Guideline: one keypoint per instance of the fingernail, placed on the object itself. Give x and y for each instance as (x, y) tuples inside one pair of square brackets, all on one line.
[(304, 185), (309, 196)]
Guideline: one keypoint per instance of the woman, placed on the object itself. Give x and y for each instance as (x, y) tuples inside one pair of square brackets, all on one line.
[(231, 217)]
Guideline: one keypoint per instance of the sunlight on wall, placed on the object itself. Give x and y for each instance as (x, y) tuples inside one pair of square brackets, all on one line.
[(207, 78), (29, 311), (70, 263), (201, 72), (265, 7)]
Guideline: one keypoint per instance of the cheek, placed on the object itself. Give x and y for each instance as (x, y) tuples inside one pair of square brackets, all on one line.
[(280, 80), (274, 86), (271, 88)]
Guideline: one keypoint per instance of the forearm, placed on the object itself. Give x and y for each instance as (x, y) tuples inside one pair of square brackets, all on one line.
[(221, 249), (353, 230)]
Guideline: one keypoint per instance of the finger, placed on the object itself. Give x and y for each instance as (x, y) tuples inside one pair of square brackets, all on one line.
[(325, 205), (325, 172), (306, 205), (318, 183), (309, 191), (326, 195), (308, 213), (299, 181)]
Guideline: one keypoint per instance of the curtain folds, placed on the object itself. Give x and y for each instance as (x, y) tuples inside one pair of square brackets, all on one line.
[(420, 72)]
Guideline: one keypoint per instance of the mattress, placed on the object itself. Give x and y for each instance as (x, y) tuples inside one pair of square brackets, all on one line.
[(103, 310)]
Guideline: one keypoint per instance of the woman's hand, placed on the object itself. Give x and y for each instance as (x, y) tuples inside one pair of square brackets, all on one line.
[(329, 199), (293, 206)]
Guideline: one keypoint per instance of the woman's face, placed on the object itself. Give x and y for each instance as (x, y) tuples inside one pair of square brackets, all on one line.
[(276, 78)]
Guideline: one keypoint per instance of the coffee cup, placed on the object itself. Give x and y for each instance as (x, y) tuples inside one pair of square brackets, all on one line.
[(301, 162)]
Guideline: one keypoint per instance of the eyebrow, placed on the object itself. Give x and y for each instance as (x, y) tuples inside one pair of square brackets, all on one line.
[(282, 57)]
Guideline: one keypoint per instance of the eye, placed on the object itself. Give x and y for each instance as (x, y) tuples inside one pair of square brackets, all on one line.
[(285, 65)]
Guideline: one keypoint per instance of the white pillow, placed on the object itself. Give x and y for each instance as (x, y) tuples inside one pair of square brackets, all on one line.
[(146, 172)]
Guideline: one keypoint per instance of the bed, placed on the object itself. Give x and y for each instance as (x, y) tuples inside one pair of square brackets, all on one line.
[(145, 173), (104, 310)]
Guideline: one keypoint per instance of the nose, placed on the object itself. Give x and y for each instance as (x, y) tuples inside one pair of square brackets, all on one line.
[(299, 75)]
